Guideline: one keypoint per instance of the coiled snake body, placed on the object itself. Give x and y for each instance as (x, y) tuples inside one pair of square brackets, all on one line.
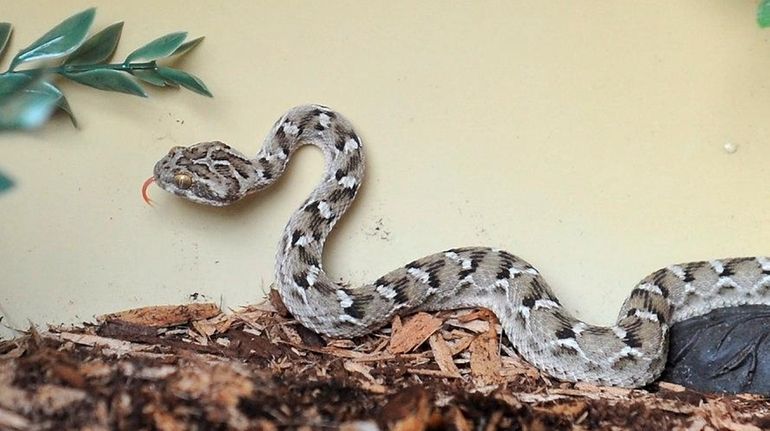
[(632, 352)]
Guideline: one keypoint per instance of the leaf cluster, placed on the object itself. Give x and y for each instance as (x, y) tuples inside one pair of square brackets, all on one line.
[(29, 96)]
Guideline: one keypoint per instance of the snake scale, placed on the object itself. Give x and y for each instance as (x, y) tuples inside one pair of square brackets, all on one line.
[(630, 353)]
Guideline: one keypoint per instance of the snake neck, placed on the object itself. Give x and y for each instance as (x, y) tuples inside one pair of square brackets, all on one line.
[(300, 277)]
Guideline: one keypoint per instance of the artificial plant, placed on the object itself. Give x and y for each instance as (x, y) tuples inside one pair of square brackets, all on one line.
[(29, 95)]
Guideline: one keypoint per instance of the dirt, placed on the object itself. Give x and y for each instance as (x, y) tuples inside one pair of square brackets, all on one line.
[(193, 367)]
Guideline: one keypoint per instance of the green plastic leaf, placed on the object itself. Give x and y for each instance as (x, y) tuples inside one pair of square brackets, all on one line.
[(5, 33), (107, 79), (5, 183), (13, 82), (59, 41), (763, 13), (61, 103), (187, 46), (158, 48), (153, 77), (98, 48), (28, 108), (184, 79)]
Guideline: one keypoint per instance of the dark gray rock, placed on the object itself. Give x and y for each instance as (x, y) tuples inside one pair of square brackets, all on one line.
[(727, 350)]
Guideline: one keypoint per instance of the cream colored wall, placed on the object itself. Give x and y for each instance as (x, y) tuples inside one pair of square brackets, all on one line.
[(584, 136)]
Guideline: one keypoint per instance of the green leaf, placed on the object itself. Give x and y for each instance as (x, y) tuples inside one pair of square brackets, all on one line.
[(763, 13), (5, 183), (153, 77), (61, 103), (28, 108), (59, 41), (13, 82), (184, 79), (107, 79), (99, 47), (160, 47), (187, 46), (5, 33)]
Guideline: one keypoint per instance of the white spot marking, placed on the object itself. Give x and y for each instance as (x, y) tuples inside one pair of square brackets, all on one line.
[(324, 120), (312, 274), (503, 284), (345, 299), (466, 263), (579, 328), (419, 274), (347, 181), (571, 342), (386, 291), (524, 311), (646, 315), (303, 241), (619, 332), (351, 145), (718, 266), (545, 303), (290, 128), (764, 262), (349, 318), (730, 147), (650, 288), (452, 255), (678, 271), (727, 282), (764, 282), (325, 210), (629, 351)]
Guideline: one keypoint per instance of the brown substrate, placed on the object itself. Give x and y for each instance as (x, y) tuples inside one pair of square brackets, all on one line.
[(192, 367)]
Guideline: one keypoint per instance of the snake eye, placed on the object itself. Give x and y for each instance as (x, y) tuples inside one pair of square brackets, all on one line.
[(183, 181)]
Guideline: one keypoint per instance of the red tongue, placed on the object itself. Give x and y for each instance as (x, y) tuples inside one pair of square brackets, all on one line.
[(146, 184)]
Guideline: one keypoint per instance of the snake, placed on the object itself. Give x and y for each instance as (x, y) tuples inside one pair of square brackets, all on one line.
[(630, 353)]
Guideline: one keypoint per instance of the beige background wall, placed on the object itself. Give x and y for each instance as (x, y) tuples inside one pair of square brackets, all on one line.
[(584, 136)]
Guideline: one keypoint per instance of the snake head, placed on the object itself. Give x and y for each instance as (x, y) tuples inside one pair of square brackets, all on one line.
[(208, 173)]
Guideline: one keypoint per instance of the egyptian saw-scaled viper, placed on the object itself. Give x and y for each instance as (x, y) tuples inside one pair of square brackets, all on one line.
[(632, 352)]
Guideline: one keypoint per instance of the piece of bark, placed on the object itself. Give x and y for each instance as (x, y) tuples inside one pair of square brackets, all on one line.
[(443, 355), (275, 300), (485, 358), (413, 333), (164, 315)]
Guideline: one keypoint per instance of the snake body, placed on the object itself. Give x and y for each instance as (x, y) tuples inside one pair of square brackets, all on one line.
[(630, 353)]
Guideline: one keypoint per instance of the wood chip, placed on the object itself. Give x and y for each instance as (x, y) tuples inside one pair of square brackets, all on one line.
[(485, 359), (443, 355), (671, 387), (460, 345), (359, 368), (413, 333), (164, 315)]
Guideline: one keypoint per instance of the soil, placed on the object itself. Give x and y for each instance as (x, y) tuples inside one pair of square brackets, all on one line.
[(194, 367)]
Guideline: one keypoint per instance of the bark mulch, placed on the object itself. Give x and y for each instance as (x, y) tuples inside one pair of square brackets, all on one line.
[(194, 367)]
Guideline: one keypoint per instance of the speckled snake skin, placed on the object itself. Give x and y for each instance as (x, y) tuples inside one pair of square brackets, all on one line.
[(632, 352)]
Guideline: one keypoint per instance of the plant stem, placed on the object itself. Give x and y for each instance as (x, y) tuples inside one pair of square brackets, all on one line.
[(74, 68)]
